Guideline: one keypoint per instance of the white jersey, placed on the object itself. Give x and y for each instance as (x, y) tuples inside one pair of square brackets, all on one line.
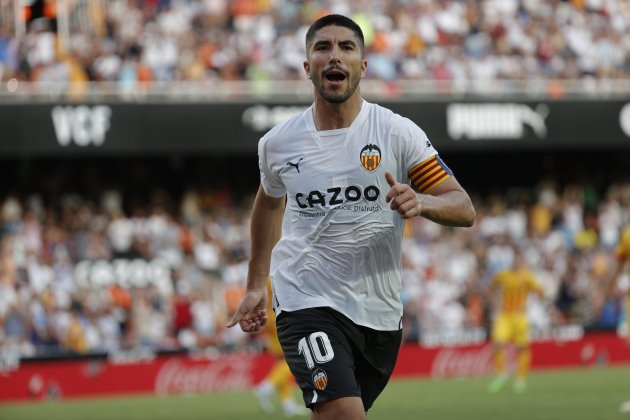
[(341, 242)]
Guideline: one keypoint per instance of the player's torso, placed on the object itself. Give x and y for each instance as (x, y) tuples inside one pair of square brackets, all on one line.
[(340, 245), (332, 174), (515, 289), (338, 170)]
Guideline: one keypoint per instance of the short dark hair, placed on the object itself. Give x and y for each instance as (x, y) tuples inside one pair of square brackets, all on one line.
[(335, 20)]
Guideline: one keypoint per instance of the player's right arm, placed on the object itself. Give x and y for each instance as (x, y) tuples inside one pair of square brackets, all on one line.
[(266, 227), (611, 281), (622, 255)]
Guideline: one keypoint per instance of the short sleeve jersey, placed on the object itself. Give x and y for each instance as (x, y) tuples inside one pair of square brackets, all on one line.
[(516, 286), (341, 243)]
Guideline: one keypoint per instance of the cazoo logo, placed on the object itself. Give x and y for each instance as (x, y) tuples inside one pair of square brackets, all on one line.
[(81, 125), (336, 195)]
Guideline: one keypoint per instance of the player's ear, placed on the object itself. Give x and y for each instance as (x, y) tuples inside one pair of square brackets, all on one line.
[(364, 65), (307, 68)]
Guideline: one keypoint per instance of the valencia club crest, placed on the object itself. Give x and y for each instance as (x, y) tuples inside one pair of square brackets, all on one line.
[(320, 379), (370, 157)]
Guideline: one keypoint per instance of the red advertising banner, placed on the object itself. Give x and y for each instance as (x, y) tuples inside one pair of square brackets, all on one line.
[(159, 375), (144, 373), (476, 360)]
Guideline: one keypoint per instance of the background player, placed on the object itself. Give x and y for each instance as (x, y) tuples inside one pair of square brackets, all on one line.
[(622, 254), (510, 325), (279, 377)]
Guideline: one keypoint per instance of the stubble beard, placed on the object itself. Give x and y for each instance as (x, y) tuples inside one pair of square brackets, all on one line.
[(337, 98)]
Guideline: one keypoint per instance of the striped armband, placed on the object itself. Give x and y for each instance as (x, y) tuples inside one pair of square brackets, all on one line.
[(429, 174)]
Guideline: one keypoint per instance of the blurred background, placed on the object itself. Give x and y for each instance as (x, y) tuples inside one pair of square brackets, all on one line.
[(128, 134)]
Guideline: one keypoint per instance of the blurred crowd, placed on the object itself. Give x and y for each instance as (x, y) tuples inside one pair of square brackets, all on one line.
[(80, 276), (138, 42)]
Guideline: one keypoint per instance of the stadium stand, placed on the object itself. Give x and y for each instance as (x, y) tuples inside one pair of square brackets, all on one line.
[(134, 46), (94, 274)]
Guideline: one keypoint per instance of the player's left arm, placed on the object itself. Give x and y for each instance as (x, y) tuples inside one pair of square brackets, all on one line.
[(447, 203), (538, 289)]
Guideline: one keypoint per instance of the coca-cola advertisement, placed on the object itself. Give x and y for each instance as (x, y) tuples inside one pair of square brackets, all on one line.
[(555, 351), (178, 376), (457, 362), (174, 374)]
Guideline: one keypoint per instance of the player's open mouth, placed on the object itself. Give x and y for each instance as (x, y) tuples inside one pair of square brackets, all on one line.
[(335, 76)]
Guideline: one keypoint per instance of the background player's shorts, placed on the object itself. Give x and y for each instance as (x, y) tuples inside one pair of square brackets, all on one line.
[(512, 328), (273, 346), (331, 357)]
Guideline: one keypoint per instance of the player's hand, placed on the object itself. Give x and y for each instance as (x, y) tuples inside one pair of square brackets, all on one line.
[(251, 314), (402, 198)]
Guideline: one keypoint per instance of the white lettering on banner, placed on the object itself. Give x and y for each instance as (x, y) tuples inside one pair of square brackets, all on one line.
[(624, 119), (223, 374), (126, 273), (262, 118), (498, 121), (458, 362), (454, 337), (82, 124), (9, 360), (463, 362), (133, 356), (564, 333)]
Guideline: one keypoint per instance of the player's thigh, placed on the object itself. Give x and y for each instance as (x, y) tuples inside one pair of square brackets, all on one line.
[(501, 329), (375, 358), (521, 331), (319, 355), (350, 408)]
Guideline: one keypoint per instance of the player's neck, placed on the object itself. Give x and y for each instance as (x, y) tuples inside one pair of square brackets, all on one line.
[(331, 116)]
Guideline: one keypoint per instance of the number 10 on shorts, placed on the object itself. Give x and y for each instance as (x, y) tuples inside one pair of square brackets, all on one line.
[(316, 348)]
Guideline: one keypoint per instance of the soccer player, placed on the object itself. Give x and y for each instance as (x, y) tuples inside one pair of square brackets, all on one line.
[(622, 254), (510, 325), (279, 377), (327, 225)]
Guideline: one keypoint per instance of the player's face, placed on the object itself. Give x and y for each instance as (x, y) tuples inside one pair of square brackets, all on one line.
[(335, 63), (519, 261)]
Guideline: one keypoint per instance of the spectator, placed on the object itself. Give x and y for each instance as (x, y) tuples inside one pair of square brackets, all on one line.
[(57, 297), (454, 41)]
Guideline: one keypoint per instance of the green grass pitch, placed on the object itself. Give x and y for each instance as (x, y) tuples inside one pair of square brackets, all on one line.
[(584, 394)]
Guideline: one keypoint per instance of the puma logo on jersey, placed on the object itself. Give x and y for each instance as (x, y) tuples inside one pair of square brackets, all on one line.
[(296, 165)]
